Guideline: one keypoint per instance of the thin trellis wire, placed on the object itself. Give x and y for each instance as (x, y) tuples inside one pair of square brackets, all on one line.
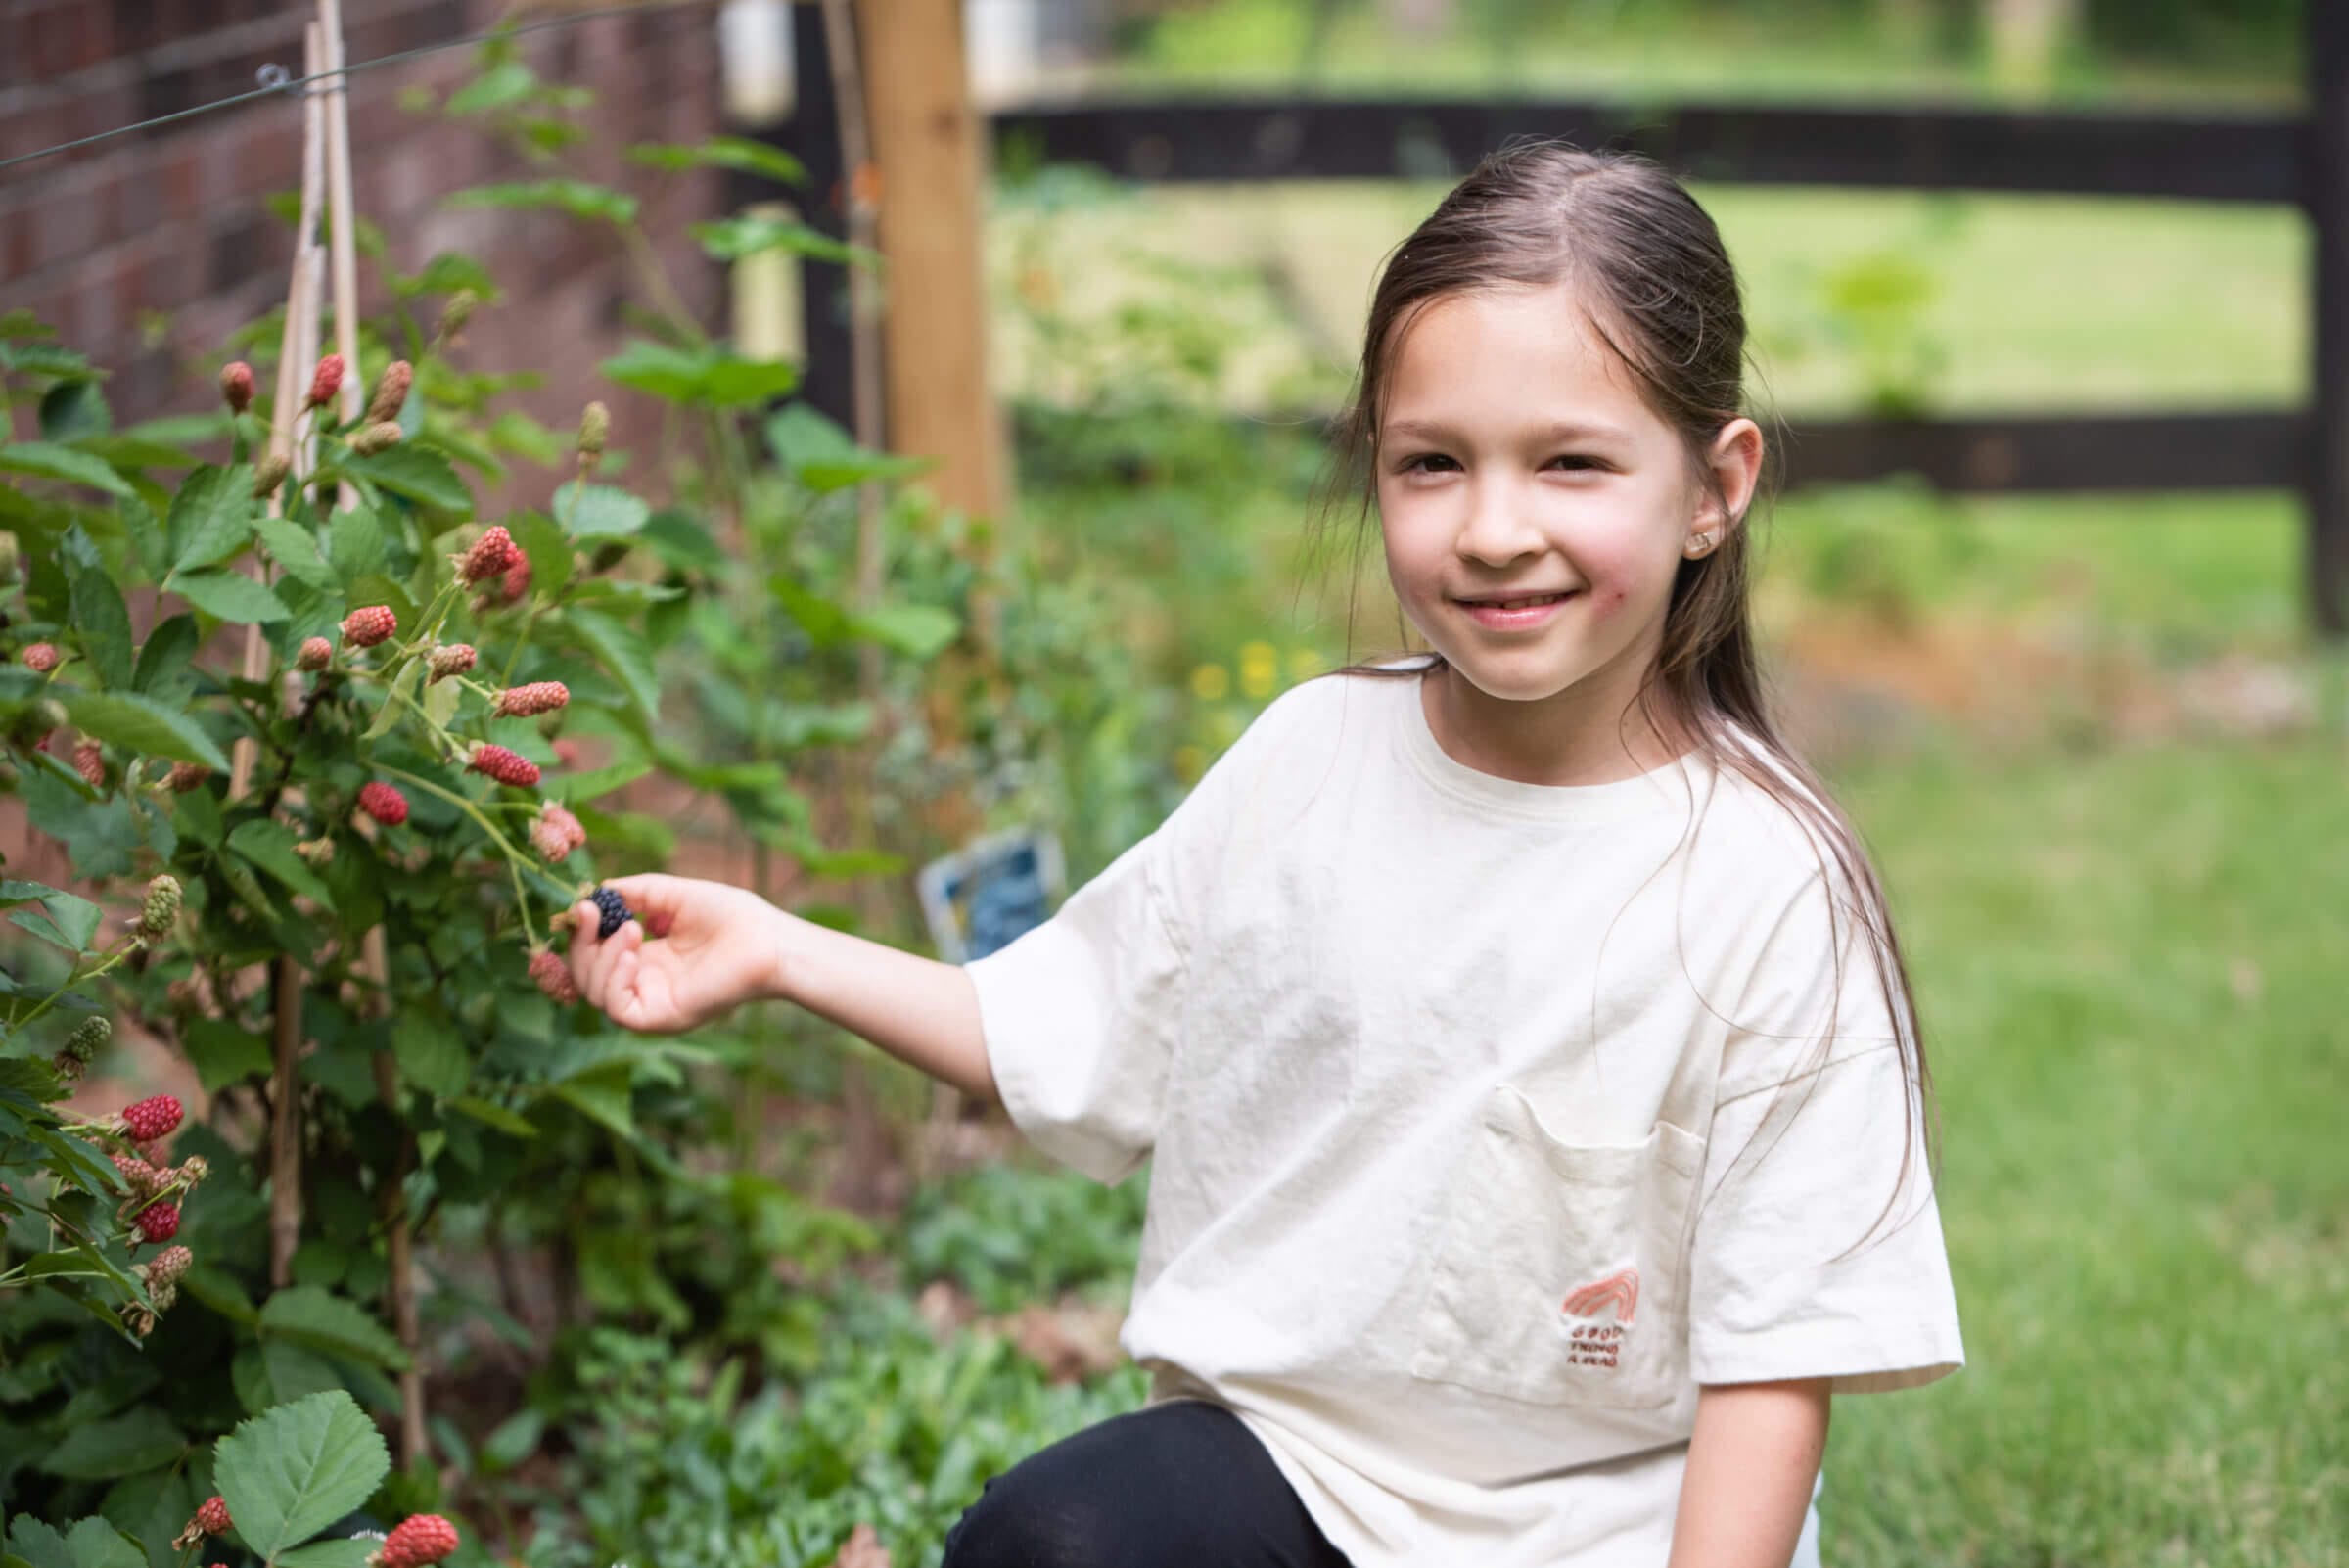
[(276, 79)]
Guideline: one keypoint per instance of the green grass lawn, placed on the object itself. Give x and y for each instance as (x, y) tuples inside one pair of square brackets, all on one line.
[(2128, 968)]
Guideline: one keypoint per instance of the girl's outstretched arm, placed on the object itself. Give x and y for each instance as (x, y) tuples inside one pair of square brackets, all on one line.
[(722, 946), (1751, 1466)]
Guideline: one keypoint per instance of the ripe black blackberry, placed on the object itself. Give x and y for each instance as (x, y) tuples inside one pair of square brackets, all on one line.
[(614, 912)]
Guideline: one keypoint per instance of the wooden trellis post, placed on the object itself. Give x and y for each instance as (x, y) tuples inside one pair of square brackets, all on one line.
[(2327, 198)]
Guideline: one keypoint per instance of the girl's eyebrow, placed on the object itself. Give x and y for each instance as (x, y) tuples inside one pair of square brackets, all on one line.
[(1564, 429)]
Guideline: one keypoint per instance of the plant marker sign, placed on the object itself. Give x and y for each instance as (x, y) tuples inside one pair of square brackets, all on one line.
[(982, 896)]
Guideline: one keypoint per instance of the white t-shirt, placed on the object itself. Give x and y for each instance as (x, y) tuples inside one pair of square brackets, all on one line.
[(1440, 1070)]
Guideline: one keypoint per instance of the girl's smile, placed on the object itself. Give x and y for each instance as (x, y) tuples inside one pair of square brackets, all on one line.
[(1536, 512)]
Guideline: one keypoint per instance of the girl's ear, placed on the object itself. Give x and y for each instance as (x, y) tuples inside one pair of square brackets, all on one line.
[(1736, 462)]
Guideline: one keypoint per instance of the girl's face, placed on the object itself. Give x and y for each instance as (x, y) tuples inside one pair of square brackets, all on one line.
[(1516, 459)]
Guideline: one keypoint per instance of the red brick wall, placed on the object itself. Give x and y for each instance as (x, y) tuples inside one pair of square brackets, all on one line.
[(172, 222)]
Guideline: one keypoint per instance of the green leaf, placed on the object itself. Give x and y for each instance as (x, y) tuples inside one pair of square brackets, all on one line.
[(100, 619), (548, 549), (276, 1373), (683, 542), (321, 1321), (222, 1054), (507, 82), (295, 549), (496, 1116), (355, 544), (419, 473), (35, 1545), (746, 234), (231, 596), (821, 455), (269, 843), (430, 1054), (723, 152), (403, 685), (57, 1265), (712, 374), (170, 648), (621, 652), (598, 511), (579, 198), (212, 517), (100, 1451), (96, 1543), (73, 918), (76, 410), (51, 461), (602, 1096), (289, 1475), (89, 1169), (143, 724)]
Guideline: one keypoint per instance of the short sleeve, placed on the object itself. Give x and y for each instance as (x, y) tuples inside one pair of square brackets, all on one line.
[(1080, 1013), (1817, 1249)]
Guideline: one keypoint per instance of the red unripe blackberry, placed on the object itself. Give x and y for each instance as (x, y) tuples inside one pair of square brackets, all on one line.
[(385, 804), (552, 976), (89, 760), (452, 659), (151, 1118), (213, 1517), (315, 655), (391, 391), (418, 1540), (41, 658), (369, 625), (327, 381), (504, 765), (158, 1221), (526, 702), (236, 386), (186, 777), (494, 553)]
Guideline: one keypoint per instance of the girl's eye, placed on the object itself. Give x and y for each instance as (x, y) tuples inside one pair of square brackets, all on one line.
[(1425, 461), (1417, 465), (1578, 462)]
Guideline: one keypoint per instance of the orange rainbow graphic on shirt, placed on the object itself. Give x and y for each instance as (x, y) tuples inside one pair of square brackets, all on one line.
[(1618, 1290)]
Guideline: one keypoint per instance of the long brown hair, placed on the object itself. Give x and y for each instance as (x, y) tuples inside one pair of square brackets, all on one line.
[(1648, 265)]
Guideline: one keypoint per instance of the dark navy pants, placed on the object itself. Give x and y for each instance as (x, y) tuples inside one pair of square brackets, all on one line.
[(1178, 1485)]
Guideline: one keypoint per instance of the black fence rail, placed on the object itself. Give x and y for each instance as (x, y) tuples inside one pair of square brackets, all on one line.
[(2277, 159)]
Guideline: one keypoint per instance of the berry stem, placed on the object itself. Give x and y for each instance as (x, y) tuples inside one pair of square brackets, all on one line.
[(472, 808)]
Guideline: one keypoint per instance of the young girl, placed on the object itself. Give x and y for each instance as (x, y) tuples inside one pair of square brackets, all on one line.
[(1535, 1101)]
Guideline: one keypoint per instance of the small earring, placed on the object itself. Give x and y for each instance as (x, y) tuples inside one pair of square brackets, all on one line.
[(1702, 544)]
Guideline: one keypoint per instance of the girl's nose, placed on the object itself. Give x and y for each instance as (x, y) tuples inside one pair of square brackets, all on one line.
[(1498, 527)]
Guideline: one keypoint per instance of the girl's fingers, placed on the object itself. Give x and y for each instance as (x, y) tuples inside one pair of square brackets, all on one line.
[(627, 1005)]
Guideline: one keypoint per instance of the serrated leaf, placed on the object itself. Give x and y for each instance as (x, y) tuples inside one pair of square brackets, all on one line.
[(276, 1373), (37, 1544), (622, 653), (211, 516), (75, 411), (143, 724), (822, 456), (544, 543), (51, 461), (231, 596), (683, 542), (403, 685), (90, 1169), (74, 918), (60, 1264), (97, 1543), (440, 701), (322, 1320), (603, 1096), (289, 1473), (100, 1451), (295, 549), (419, 473), (597, 511), (430, 1054), (170, 648), (269, 845), (355, 544)]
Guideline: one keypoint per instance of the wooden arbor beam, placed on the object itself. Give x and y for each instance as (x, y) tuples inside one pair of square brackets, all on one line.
[(930, 147)]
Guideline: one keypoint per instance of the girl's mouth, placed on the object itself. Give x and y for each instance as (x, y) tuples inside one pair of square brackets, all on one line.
[(1512, 615)]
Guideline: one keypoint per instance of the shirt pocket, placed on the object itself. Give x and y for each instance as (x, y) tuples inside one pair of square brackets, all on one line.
[(1560, 1278)]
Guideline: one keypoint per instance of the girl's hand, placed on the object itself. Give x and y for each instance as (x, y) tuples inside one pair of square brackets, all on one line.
[(714, 947)]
